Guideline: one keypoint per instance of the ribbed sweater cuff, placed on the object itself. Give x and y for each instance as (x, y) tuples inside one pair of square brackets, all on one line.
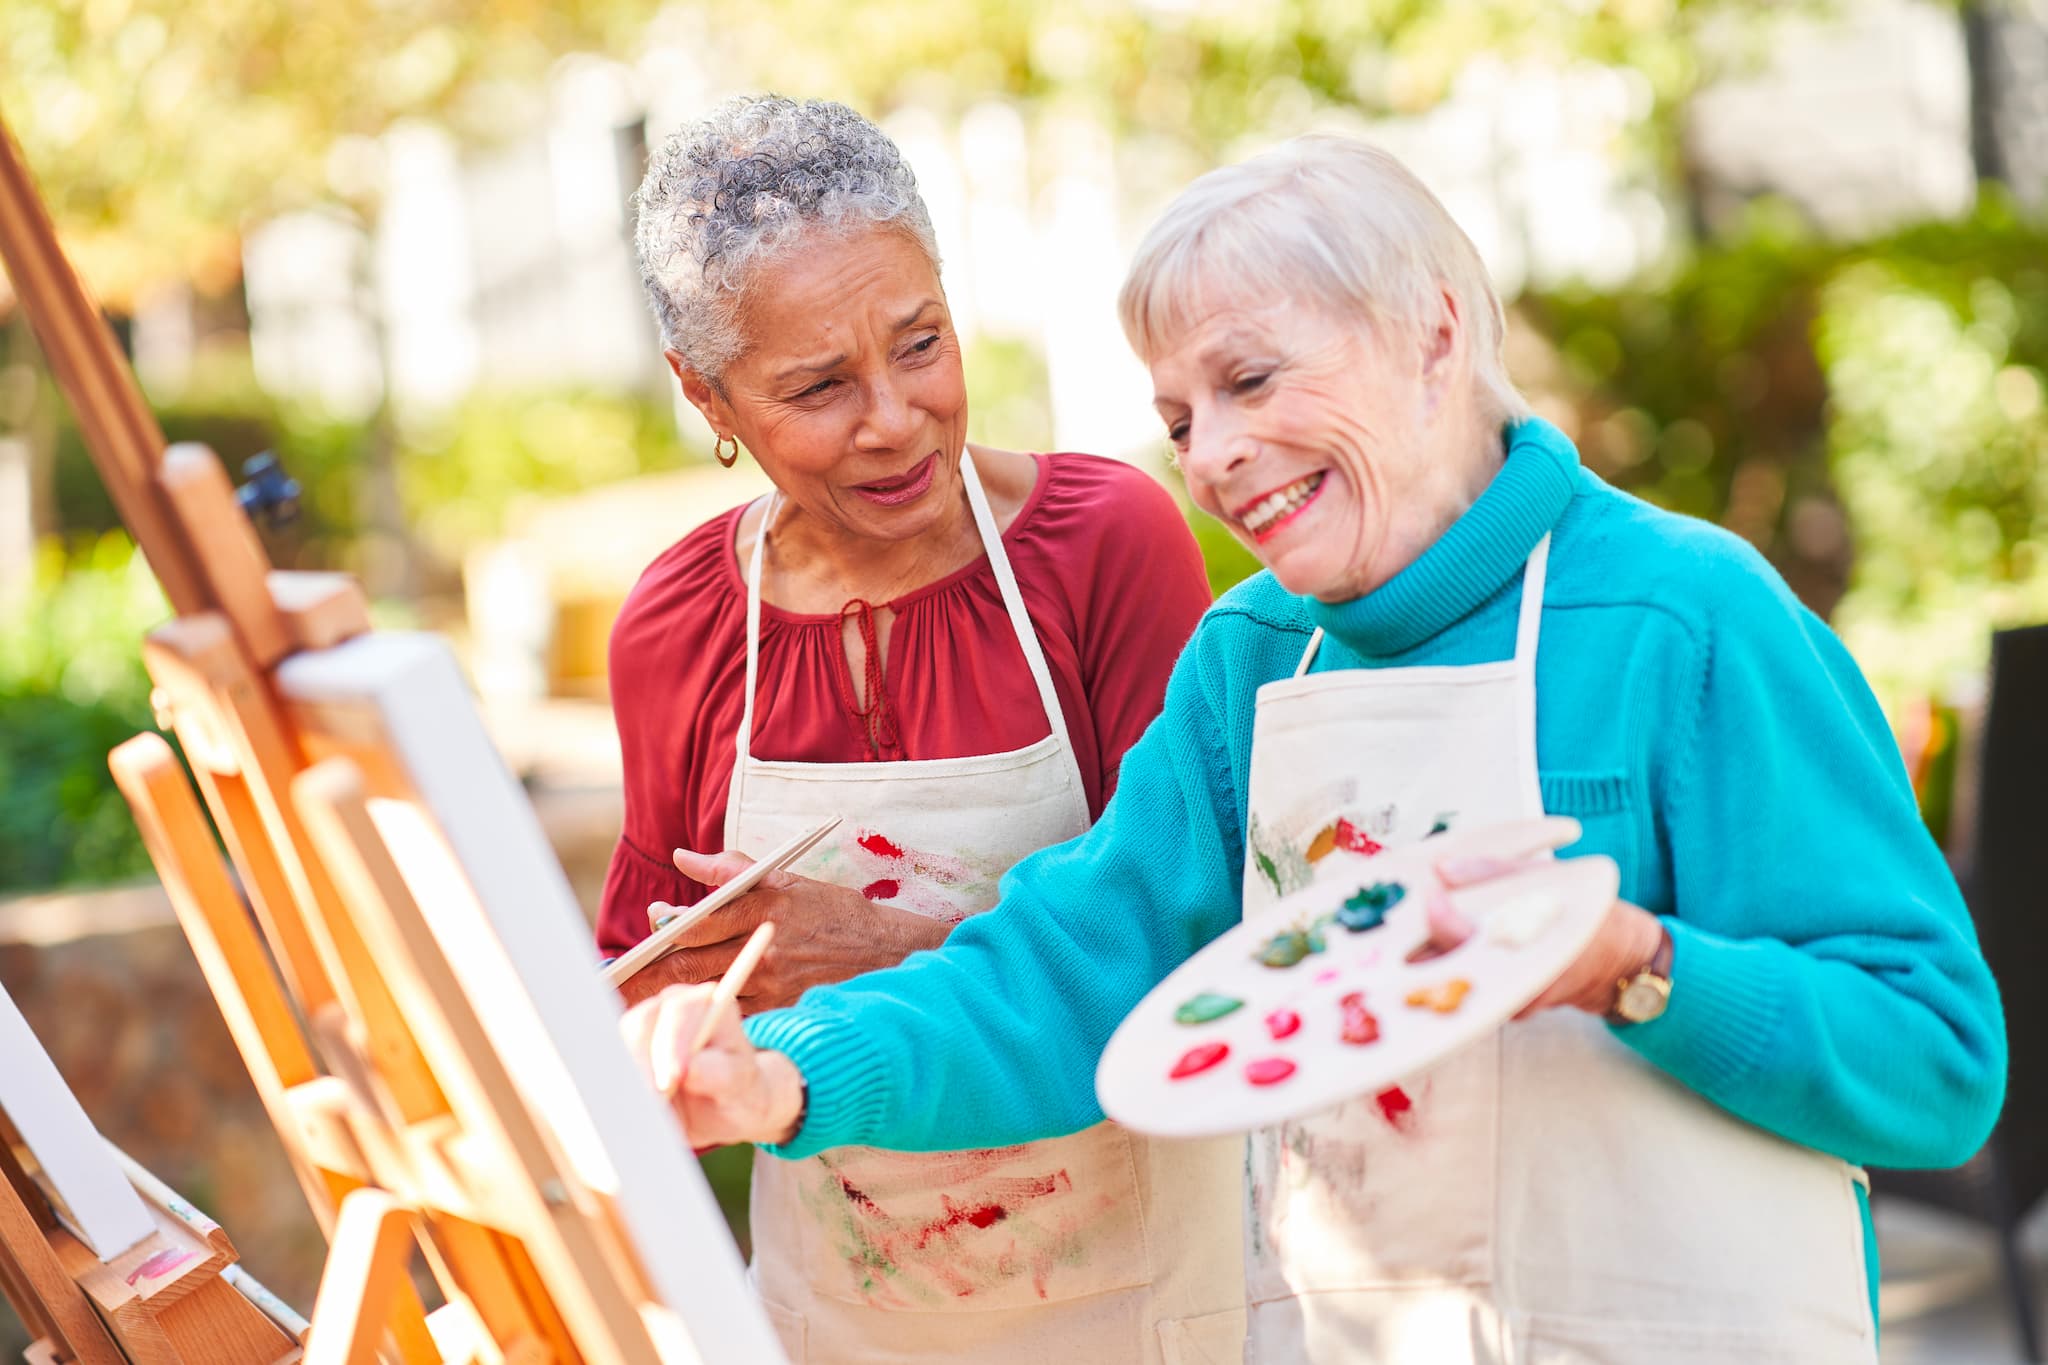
[(848, 1085), (1727, 999)]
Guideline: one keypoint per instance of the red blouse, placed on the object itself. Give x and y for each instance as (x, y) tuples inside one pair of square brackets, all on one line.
[(1110, 576)]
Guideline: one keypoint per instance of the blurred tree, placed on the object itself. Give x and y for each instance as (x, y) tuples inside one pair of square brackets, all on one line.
[(1883, 402), (157, 128), (1210, 70)]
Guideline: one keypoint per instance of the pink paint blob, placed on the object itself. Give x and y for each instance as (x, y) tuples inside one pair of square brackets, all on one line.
[(1282, 1023), (1326, 976), (1268, 1070), (1360, 1027), (879, 846), (885, 889), (1198, 1059), (160, 1265)]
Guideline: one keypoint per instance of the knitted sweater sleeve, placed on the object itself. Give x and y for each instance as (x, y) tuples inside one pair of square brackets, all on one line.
[(993, 1037), (1827, 983)]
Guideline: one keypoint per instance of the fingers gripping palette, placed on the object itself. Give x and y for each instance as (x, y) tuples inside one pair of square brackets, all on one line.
[(1338, 990)]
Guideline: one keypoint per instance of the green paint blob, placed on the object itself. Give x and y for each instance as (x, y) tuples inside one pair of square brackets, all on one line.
[(1286, 949), (1206, 1007)]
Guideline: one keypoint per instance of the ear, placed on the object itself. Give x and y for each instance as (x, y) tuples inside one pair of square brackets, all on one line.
[(703, 394), (1443, 341)]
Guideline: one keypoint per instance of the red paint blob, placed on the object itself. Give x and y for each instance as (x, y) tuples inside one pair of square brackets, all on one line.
[(1396, 1108), (879, 846), (882, 890), (1359, 1024), (1269, 1071), (1282, 1024), (1198, 1059), (1350, 836)]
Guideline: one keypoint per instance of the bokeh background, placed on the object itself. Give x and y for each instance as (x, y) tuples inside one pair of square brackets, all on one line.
[(1784, 267)]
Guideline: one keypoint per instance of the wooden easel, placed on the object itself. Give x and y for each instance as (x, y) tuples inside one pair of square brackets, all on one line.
[(102, 1261), (378, 1052)]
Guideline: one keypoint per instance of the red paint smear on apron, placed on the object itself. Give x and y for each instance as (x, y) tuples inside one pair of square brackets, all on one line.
[(973, 1215), (879, 846), (1396, 1108), (886, 889), (161, 1264)]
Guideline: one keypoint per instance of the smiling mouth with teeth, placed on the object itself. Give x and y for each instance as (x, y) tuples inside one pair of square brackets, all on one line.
[(1265, 516)]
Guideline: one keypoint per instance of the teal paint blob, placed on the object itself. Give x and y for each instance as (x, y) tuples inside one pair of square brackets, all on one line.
[(1367, 909)]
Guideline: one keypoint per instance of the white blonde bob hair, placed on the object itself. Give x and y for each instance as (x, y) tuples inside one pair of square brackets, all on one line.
[(1328, 223)]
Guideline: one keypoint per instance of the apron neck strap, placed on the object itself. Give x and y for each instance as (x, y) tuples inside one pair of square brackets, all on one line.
[(1006, 580), (1528, 623)]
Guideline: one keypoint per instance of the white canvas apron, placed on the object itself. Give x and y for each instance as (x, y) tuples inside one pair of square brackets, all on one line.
[(1545, 1196), (1098, 1247)]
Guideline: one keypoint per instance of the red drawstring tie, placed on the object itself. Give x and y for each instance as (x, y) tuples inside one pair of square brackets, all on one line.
[(877, 718)]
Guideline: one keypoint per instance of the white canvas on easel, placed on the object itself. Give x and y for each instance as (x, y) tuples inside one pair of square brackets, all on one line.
[(89, 1192), (480, 867)]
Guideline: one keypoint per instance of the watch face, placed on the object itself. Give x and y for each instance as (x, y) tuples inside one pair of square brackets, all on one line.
[(1642, 1001)]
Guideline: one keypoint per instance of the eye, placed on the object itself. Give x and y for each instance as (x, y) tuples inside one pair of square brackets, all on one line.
[(1250, 383), (1177, 432), (924, 347), (814, 390)]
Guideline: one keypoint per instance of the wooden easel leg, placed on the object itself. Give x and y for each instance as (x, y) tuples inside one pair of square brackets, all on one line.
[(365, 1267), (243, 981), (60, 1311)]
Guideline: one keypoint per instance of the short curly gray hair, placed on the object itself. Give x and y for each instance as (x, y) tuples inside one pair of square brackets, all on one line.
[(745, 182)]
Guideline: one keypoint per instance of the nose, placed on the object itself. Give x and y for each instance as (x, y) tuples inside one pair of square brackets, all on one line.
[(1218, 443), (890, 420)]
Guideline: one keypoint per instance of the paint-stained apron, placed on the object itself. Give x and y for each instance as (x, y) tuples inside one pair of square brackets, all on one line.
[(1098, 1247), (1545, 1196)]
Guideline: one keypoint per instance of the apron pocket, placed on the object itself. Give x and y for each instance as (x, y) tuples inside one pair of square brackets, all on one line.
[(995, 1228), (1211, 1339), (1557, 1340)]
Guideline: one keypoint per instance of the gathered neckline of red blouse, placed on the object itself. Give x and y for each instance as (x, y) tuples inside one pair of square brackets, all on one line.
[(736, 580)]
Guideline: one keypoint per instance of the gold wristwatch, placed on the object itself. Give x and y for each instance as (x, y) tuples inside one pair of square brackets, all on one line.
[(1640, 998)]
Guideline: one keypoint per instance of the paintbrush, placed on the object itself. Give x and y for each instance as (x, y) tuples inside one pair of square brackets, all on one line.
[(724, 996), (661, 940)]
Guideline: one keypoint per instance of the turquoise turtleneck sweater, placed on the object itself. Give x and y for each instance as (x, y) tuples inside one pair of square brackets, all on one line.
[(1712, 736)]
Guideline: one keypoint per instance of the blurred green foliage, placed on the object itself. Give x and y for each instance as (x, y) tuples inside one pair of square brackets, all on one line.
[(225, 409), (1870, 416), (72, 687), (460, 472)]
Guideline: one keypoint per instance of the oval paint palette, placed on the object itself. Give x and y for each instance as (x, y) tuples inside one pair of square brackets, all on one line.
[(1331, 993)]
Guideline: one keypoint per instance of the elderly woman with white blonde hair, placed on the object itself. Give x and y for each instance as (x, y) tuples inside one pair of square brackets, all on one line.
[(950, 646), (1459, 623)]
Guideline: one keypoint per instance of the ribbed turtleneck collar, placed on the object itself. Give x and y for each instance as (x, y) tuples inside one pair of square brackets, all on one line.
[(1472, 559)]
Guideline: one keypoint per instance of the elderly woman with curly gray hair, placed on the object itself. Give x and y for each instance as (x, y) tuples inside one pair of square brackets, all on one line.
[(950, 645), (1462, 625)]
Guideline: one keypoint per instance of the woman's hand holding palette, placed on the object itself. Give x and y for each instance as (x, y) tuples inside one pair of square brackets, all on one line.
[(1339, 991)]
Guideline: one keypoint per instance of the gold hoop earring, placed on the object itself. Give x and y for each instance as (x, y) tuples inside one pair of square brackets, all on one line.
[(718, 450)]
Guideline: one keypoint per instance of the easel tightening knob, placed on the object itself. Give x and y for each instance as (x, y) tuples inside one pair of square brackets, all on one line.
[(268, 494)]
